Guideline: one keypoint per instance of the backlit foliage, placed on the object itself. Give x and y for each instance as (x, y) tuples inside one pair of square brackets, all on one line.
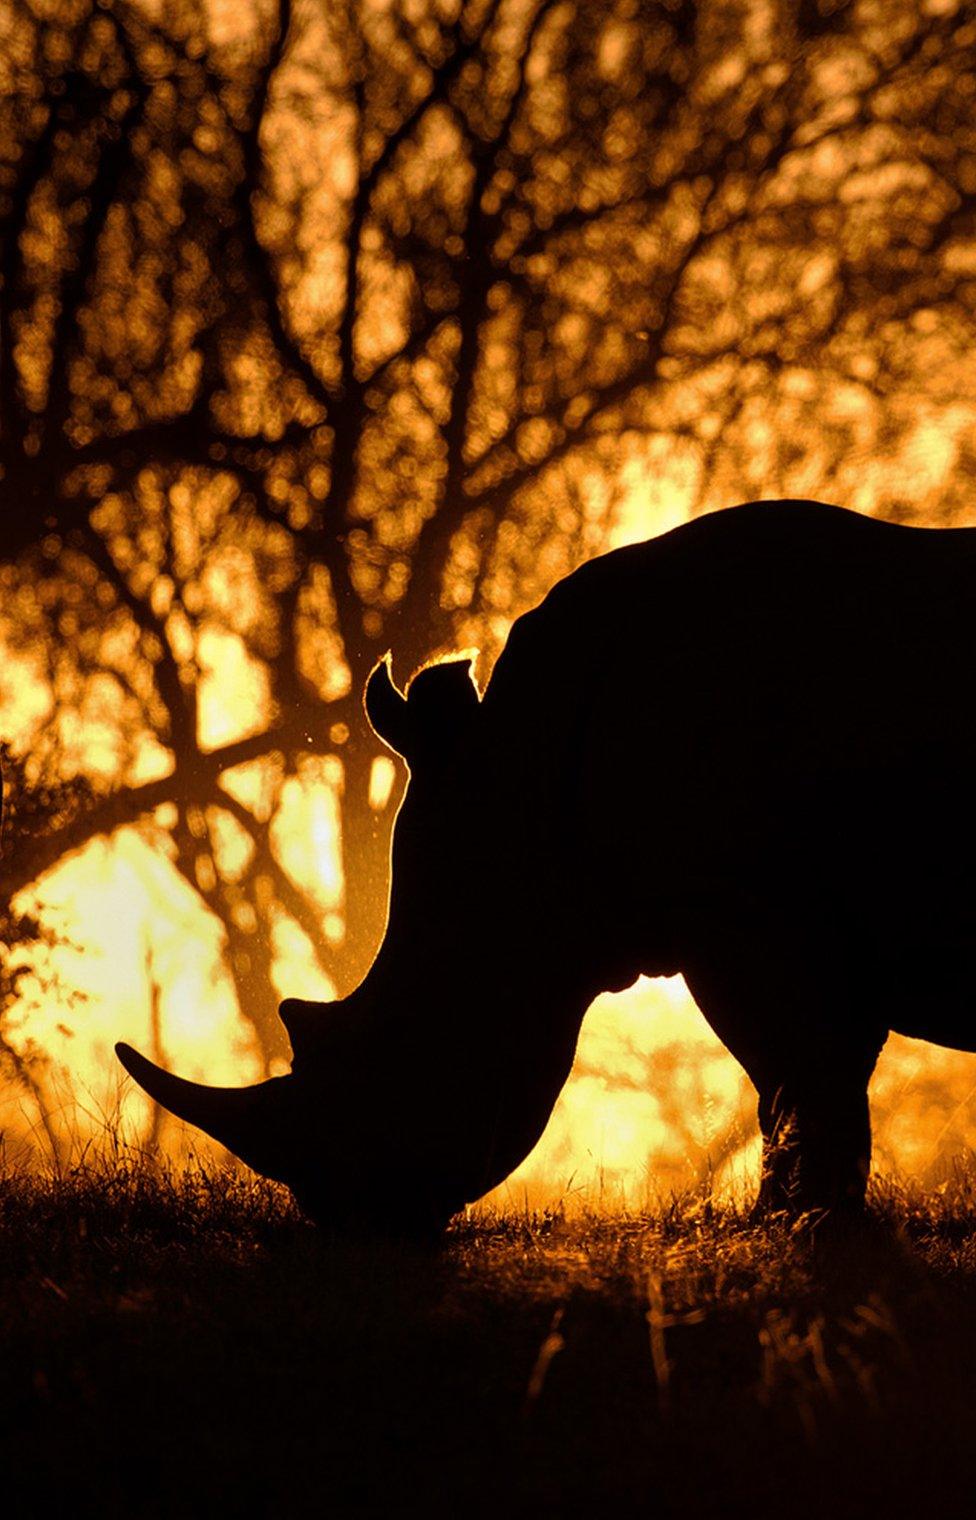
[(327, 328)]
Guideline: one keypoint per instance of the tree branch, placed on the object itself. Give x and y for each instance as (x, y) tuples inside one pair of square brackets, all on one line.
[(35, 164), (179, 702), (292, 900), (125, 806), (115, 158)]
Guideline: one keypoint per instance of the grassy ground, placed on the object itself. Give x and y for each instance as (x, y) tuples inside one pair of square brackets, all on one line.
[(188, 1346)]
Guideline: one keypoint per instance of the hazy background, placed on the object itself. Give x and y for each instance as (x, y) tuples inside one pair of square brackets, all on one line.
[(336, 326)]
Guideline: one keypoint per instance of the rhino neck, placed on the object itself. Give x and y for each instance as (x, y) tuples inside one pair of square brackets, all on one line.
[(485, 968), (471, 1047)]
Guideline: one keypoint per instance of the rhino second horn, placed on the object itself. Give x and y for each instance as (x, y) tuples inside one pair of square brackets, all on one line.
[(240, 1118)]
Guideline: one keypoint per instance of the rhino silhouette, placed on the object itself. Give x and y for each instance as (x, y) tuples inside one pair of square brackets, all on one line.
[(743, 751)]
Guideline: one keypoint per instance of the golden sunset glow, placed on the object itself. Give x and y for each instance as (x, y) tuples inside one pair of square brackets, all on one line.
[(655, 1103), (332, 330)]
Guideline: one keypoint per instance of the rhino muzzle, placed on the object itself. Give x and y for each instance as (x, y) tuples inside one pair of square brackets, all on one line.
[(345, 1173), (253, 1122)]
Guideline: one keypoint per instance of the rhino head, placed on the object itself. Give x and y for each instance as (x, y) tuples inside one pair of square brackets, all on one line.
[(360, 1130)]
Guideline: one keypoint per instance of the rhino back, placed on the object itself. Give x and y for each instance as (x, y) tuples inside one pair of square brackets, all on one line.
[(767, 685)]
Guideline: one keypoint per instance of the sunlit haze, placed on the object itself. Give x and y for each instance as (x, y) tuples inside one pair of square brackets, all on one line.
[(333, 330)]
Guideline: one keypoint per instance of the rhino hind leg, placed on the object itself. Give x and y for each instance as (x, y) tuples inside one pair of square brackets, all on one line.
[(810, 1051)]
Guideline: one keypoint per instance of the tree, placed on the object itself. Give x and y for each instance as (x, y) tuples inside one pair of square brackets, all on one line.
[(349, 326)]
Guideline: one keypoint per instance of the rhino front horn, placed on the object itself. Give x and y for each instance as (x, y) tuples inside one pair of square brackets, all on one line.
[(247, 1120)]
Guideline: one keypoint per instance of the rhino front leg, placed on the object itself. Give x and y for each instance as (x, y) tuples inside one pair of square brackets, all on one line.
[(816, 1131)]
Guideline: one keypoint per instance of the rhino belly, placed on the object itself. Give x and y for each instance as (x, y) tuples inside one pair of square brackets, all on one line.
[(950, 1023), (932, 985)]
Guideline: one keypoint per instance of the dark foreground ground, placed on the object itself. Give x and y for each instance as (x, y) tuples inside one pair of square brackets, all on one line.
[(190, 1347)]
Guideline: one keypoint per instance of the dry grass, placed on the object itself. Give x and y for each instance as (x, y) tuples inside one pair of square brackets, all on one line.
[(182, 1344)]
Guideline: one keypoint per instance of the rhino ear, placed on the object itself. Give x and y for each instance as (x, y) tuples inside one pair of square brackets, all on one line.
[(386, 708), (440, 699)]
